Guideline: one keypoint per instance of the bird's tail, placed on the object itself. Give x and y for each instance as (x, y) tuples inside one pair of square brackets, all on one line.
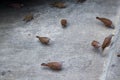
[(112, 26)]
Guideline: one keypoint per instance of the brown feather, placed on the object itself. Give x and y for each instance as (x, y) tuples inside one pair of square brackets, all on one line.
[(107, 22), (64, 22), (106, 42), (43, 40), (58, 4), (53, 65), (95, 44)]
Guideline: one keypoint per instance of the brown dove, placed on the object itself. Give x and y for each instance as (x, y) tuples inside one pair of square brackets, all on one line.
[(58, 4), (108, 23), (95, 44), (43, 40), (16, 5), (53, 65), (28, 17), (81, 1), (107, 41), (64, 23)]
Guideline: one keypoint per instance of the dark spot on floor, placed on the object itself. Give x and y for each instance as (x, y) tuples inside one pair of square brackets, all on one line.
[(113, 65), (3, 73)]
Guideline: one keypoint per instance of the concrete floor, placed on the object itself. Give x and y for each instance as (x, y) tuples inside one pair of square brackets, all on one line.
[(21, 53)]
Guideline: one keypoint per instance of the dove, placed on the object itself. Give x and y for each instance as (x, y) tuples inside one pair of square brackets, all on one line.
[(64, 23), (28, 17), (107, 41), (95, 44), (53, 65), (43, 40), (107, 22), (58, 4), (81, 1), (16, 5)]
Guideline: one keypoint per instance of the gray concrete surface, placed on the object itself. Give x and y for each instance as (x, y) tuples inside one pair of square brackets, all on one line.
[(21, 53), (113, 70)]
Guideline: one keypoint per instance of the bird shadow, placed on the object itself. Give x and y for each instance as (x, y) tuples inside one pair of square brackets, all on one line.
[(96, 50), (46, 45), (48, 69)]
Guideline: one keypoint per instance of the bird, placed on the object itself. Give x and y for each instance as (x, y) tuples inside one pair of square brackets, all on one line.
[(64, 23), (107, 22), (16, 5), (95, 44), (53, 65), (28, 17), (58, 4), (107, 41), (43, 40), (81, 1)]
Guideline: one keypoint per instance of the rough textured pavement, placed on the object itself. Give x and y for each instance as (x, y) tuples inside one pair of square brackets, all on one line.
[(21, 53)]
